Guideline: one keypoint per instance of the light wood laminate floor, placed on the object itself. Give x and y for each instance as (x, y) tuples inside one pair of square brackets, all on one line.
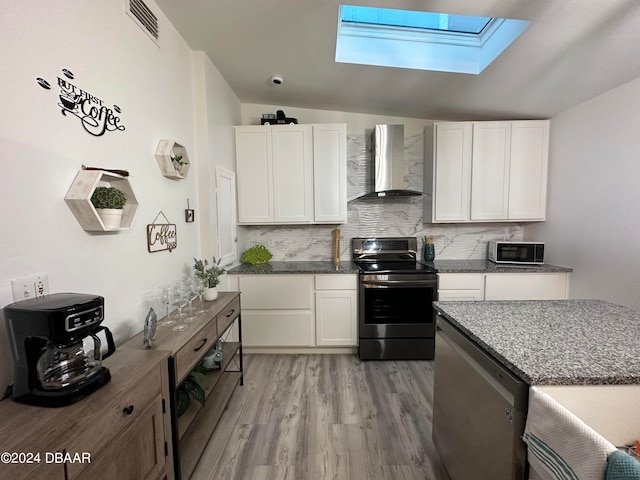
[(326, 417)]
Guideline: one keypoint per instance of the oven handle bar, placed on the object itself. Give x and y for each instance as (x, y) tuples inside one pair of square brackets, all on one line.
[(397, 283)]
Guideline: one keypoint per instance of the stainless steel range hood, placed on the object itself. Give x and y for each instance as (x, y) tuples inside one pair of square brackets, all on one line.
[(387, 157)]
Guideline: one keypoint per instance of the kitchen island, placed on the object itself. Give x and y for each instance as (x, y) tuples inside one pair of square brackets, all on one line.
[(555, 342), (583, 353)]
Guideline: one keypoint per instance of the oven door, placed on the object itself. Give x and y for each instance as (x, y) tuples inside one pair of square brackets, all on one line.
[(397, 305)]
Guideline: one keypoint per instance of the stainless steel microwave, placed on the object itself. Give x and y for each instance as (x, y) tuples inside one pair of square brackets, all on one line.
[(516, 252)]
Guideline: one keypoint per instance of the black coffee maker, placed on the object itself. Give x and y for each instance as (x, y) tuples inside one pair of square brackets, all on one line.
[(51, 339)]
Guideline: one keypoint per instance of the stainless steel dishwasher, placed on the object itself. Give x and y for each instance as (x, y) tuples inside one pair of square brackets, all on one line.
[(479, 410)]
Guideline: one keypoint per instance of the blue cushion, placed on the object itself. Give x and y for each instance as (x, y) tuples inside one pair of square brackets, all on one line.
[(621, 466)]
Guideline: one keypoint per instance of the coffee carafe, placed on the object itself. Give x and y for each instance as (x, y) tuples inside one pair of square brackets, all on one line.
[(56, 348)]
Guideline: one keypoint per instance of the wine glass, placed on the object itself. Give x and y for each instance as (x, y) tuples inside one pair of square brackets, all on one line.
[(163, 295), (186, 283), (201, 287), (178, 297), (196, 285), (192, 292)]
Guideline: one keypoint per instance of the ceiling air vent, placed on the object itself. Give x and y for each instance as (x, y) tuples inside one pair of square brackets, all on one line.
[(144, 18)]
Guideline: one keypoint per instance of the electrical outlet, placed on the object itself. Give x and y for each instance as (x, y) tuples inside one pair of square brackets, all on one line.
[(271, 242), (447, 240), (30, 287), (42, 285)]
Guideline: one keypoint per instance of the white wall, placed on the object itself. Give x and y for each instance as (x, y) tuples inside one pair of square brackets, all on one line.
[(42, 150), (217, 109), (593, 216)]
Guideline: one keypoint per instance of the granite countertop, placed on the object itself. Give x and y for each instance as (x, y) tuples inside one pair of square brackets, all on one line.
[(294, 267), (555, 342), (485, 266), (443, 266)]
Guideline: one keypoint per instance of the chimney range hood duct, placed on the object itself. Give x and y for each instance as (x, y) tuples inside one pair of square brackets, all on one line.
[(387, 157)]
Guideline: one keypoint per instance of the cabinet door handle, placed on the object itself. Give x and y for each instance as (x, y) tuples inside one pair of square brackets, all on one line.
[(204, 342), (231, 313), (128, 410)]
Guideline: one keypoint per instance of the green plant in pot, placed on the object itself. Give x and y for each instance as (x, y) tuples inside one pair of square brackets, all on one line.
[(210, 275), (109, 203), (190, 388), (179, 162), (256, 255)]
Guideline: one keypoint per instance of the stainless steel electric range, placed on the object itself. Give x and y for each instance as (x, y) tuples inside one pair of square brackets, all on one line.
[(395, 291)]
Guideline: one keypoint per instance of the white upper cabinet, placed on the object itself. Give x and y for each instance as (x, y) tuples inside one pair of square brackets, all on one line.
[(490, 171), (330, 173), (486, 171), (254, 164), (291, 174), (275, 174), (528, 171), (451, 143)]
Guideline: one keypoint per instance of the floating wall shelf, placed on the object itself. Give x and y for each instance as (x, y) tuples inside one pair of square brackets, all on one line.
[(78, 199), (167, 149)]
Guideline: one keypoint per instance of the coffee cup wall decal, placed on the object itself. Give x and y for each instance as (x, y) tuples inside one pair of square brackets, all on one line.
[(95, 117)]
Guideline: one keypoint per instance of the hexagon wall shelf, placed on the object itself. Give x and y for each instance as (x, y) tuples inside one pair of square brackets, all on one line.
[(78, 199), (167, 149)]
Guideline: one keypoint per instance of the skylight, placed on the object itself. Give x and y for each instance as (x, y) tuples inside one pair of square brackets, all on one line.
[(412, 19), (422, 40)]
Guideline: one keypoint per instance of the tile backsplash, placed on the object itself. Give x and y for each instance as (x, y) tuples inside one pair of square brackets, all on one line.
[(378, 217)]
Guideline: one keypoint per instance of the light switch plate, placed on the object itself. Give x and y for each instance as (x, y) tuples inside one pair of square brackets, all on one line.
[(30, 287)]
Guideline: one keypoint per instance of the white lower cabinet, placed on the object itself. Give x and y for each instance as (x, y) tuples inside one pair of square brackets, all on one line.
[(285, 310), (503, 286), (277, 328), (277, 310), (526, 286), (336, 310), (460, 286)]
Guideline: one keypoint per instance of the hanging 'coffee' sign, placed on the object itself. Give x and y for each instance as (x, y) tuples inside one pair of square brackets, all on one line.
[(94, 115), (161, 236)]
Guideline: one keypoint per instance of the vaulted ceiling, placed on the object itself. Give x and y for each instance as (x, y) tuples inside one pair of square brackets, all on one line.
[(573, 51)]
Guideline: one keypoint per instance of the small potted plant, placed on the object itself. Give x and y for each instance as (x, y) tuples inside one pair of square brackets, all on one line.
[(256, 255), (109, 203), (179, 162), (190, 388), (210, 276)]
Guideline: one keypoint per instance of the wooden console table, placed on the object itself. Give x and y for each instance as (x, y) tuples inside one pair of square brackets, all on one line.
[(192, 430), (122, 430)]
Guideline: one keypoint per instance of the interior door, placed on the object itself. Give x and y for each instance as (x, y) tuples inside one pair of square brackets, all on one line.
[(226, 209)]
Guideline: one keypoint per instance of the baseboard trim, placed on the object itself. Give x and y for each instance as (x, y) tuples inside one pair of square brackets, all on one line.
[(301, 350)]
